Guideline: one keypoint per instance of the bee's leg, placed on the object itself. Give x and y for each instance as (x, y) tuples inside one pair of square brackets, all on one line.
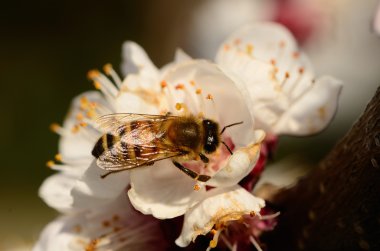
[(204, 158), (111, 172), (192, 174)]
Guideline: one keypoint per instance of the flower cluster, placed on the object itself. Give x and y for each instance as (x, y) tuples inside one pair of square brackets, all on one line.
[(259, 77)]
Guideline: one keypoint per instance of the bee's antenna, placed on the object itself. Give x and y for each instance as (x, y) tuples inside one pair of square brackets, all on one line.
[(234, 124), (224, 143)]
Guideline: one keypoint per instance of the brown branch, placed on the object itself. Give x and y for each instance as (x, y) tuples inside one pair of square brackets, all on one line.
[(337, 206)]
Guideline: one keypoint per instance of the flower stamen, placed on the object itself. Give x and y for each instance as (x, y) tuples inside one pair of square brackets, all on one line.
[(108, 69)]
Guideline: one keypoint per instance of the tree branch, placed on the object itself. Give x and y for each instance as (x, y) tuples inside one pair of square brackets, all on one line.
[(337, 206)]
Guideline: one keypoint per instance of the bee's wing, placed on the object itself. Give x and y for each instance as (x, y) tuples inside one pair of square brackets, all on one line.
[(113, 122), (140, 145), (120, 160)]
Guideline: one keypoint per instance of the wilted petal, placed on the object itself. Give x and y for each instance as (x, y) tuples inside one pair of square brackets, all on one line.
[(91, 190), (222, 206), (239, 164), (162, 190)]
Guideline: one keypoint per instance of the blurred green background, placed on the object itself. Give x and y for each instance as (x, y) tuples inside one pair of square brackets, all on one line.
[(46, 49)]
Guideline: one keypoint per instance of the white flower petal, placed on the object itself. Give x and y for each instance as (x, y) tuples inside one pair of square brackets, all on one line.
[(239, 164), (279, 80), (55, 191), (221, 206), (181, 56), (131, 103), (313, 111), (135, 60), (376, 20), (91, 190), (103, 228), (162, 190)]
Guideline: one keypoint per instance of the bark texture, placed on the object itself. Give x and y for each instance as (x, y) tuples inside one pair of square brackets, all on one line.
[(337, 206)]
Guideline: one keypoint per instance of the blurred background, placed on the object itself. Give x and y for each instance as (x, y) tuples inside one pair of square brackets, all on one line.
[(47, 47)]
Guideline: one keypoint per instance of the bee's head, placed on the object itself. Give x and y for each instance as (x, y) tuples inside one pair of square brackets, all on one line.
[(211, 140)]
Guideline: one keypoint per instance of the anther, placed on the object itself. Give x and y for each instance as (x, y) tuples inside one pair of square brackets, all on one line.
[(287, 75), (213, 243), (198, 91), (83, 124), (58, 157), (163, 84), (92, 74), (273, 62), (178, 106), (97, 85), (75, 129), (301, 70), (252, 214), (209, 96), (79, 116), (197, 187), (55, 127), (249, 49), (50, 163), (192, 82), (179, 87), (107, 68)]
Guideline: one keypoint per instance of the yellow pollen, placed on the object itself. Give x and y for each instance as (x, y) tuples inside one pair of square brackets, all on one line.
[(90, 114), (237, 41), (252, 214), (213, 243), (296, 54), (227, 47), (213, 231), (92, 74), (287, 75), (50, 163), (107, 68), (83, 100), (54, 127), (83, 124), (75, 129), (106, 223), (301, 70), (79, 116), (179, 87), (197, 187), (163, 84), (192, 82), (209, 96), (97, 85), (93, 105), (58, 157), (178, 106), (198, 91), (249, 49)]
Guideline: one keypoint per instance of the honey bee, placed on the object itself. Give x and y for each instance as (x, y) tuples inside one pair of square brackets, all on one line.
[(135, 140)]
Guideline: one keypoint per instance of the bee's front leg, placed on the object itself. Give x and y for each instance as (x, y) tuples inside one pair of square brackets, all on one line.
[(204, 158), (192, 174)]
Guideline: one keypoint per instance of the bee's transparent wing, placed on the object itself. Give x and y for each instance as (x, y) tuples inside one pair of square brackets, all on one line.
[(120, 158), (113, 122)]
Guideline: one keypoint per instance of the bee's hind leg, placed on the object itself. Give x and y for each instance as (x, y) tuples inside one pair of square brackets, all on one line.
[(204, 158), (192, 174)]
